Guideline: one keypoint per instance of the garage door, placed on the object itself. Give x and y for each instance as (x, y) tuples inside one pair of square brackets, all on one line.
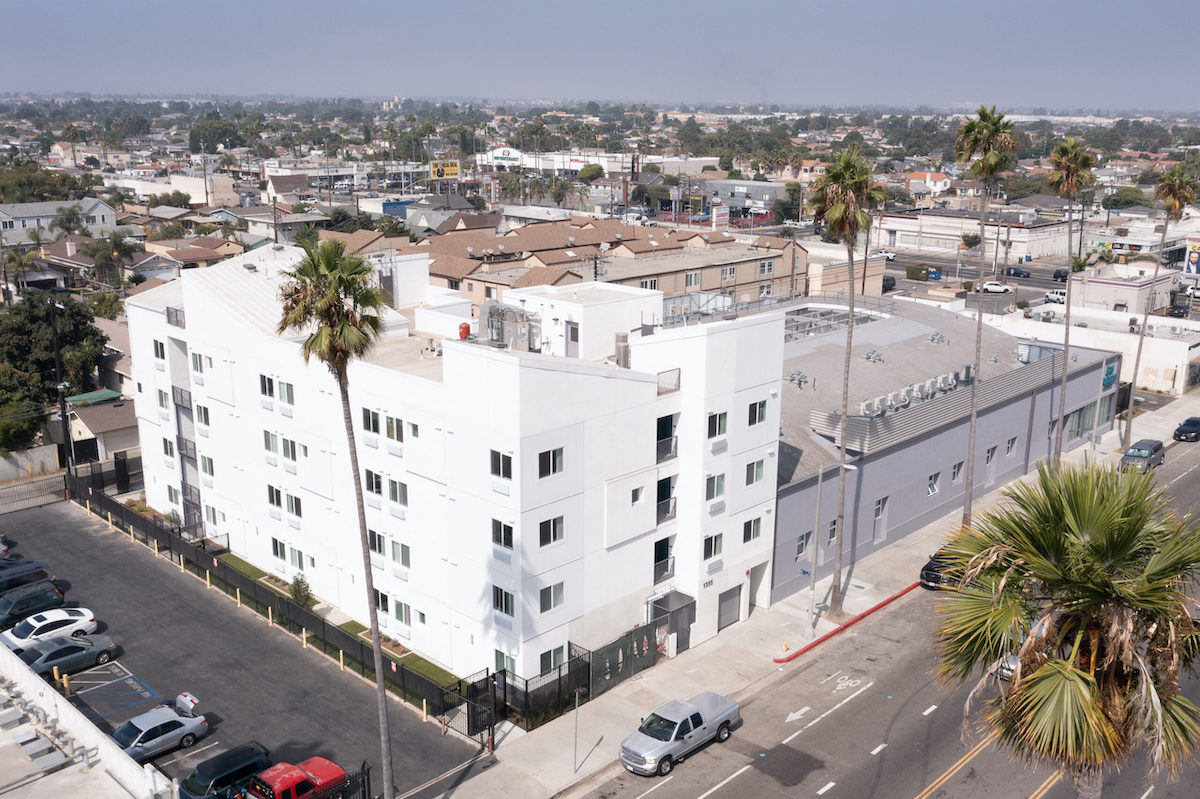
[(729, 606)]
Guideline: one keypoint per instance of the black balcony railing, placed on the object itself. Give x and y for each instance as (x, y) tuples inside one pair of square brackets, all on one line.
[(187, 447), (666, 448), (181, 397), (664, 570), (666, 510)]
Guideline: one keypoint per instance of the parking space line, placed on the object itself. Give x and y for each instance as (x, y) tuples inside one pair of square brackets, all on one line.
[(723, 782), (828, 785), (184, 752), (878, 749), (141, 691), (929, 710), (656, 787), (92, 687)]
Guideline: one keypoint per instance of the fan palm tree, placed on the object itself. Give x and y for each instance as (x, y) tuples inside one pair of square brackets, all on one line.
[(841, 198), (1072, 172), (21, 262), (70, 220), (333, 298), (1176, 188), (1080, 586), (988, 138)]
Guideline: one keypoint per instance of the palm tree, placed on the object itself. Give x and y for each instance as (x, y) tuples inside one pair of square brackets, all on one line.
[(1072, 171), (1080, 586), (988, 138), (840, 197), (70, 220), (1176, 188), (71, 135), (22, 262), (333, 298)]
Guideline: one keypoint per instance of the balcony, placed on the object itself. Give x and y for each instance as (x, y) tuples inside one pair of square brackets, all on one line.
[(181, 397), (186, 447), (666, 510), (667, 448), (668, 381), (176, 317), (191, 493), (664, 570)]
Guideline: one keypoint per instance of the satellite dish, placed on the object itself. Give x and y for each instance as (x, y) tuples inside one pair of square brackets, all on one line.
[(604, 246)]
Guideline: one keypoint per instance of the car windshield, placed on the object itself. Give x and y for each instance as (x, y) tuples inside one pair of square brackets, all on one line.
[(22, 630), (657, 727), (1135, 452), (29, 656), (126, 734), (195, 784)]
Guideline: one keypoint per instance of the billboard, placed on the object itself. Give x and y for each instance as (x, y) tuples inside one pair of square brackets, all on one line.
[(720, 217), (1191, 262), (444, 170)]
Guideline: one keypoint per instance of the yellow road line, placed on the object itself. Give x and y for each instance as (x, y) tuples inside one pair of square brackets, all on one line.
[(962, 761), (1045, 787)]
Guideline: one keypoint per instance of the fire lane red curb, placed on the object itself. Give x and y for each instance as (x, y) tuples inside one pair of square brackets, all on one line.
[(792, 656)]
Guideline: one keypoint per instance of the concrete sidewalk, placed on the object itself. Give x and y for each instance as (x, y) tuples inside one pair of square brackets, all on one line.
[(541, 763)]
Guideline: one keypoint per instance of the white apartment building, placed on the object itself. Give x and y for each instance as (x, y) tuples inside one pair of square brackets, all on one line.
[(546, 483)]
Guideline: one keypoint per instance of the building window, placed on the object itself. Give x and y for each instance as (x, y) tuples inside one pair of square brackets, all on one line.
[(164, 400), (955, 472), (381, 601), (751, 529), (403, 613), (551, 659), (414, 430), (398, 492), (635, 496), (274, 496), (198, 363), (764, 290), (505, 663), (503, 601), (501, 465), (160, 350), (488, 292), (453, 285), (374, 482), (375, 542), (173, 495), (395, 429), (934, 480), (716, 424), (766, 267), (550, 462), (401, 554), (728, 273), (202, 415), (278, 549), (550, 531), (713, 545), (754, 472), (551, 597), (270, 442), (288, 448), (991, 453), (1012, 444), (206, 465), (832, 535), (758, 412), (691, 280), (168, 448), (266, 386), (293, 506), (287, 393), (502, 534), (650, 283), (802, 544), (714, 486), (298, 559), (880, 507), (370, 421)]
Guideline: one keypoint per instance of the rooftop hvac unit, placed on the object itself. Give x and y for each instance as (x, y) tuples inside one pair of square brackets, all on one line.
[(944, 382), (930, 387), (894, 400), (906, 395), (968, 372), (866, 408), (880, 405)]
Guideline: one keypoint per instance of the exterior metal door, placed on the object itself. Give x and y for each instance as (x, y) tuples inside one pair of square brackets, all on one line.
[(729, 607), (572, 339)]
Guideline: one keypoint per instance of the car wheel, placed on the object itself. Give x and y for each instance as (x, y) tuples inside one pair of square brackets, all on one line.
[(78, 634), (103, 658), (187, 741), (723, 733), (664, 766)]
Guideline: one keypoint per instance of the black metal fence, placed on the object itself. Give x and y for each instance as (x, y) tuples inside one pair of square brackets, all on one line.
[(458, 705), (117, 476)]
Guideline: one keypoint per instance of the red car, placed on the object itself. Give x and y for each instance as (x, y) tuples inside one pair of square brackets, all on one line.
[(285, 781)]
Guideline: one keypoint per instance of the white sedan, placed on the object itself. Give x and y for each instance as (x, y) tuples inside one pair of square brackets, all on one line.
[(887, 255), (995, 287), (49, 624)]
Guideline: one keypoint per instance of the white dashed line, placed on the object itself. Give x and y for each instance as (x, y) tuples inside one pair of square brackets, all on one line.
[(831, 676), (656, 787), (722, 783), (827, 712), (929, 710), (878, 749), (828, 785)]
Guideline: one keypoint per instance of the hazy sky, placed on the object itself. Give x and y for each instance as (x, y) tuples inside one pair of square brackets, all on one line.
[(1100, 54)]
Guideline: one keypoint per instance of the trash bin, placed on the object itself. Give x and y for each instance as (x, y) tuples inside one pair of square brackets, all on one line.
[(1028, 257)]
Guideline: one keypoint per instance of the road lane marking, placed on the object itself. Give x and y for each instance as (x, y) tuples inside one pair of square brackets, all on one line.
[(827, 712), (830, 677), (450, 771), (1185, 474), (962, 761), (1044, 788), (185, 752), (656, 787), (878, 749), (1149, 791), (828, 785), (793, 716), (929, 710), (722, 783)]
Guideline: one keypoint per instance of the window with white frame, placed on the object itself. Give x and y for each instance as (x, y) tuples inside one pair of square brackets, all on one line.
[(278, 549), (550, 531), (414, 430), (199, 362), (550, 462), (381, 601), (288, 448), (551, 659), (375, 542), (832, 532), (1012, 444), (403, 613), (270, 442), (650, 283), (714, 486), (398, 492), (505, 663), (502, 534), (160, 350), (691, 280), (751, 529), (503, 601), (293, 505), (501, 465), (297, 559), (164, 400), (764, 290), (401, 554), (880, 507), (956, 471), (373, 483), (728, 273), (168, 448), (551, 597), (370, 421), (713, 545), (173, 495), (274, 496), (202, 415), (935, 480), (206, 465), (287, 393), (754, 472), (757, 412), (716, 424), (266, 386), (766, 267), (395, 429), (802, 544)]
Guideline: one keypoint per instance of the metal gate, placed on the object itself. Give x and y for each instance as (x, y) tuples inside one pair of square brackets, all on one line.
[(729, 607), (31, 493)]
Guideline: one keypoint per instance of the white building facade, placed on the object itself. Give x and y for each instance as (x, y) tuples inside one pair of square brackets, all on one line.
[(540, 487)]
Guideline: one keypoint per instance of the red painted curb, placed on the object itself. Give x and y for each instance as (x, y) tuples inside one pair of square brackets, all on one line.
[(790, 657)]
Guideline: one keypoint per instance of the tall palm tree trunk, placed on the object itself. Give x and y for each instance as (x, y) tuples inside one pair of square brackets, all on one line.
[(385, 733), (1137, 359), (835, 598), (1062, 392), (969, 477)]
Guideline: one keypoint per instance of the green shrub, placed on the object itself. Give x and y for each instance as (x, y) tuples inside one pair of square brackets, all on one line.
[(916, 272), (1022, 304), (969, 284), (301, 592)]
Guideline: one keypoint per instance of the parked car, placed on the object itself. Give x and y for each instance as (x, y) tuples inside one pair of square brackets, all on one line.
[(4, 544), (28, 600), (676, 729), (70, 654), (887, 255), (16, 574), (225, 775), (1061, 274), (297, 781), (994, 287), (1193, 291), (1188, 430), (47, 625), (889, 283), (1057, 295), (1144, 455), (934, 576), (168, 726), (1016, 271)]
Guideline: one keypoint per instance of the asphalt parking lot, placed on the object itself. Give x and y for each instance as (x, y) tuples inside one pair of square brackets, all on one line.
[(253, 681)]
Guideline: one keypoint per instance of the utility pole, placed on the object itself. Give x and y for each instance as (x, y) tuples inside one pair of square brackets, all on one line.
[(68, 444), (204, 163)]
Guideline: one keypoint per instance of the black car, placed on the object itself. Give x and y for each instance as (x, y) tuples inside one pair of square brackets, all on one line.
[(1061, 274), (934, 574), (1189, 430), (889, 283), (1016, 271), (224, 775)]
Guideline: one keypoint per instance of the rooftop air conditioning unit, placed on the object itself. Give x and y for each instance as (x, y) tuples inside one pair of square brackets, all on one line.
[(894, 400), (880, 405), (866, 408)]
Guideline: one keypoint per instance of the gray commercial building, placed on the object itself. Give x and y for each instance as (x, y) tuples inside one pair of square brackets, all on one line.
[(907, 431)]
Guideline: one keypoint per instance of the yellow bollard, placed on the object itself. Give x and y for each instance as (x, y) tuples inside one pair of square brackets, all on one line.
[(89, 507), (66, 685), (342, 659), (239, 596), (783, 647), (207, 577), (156, 546), (131, 532), (304, 636), (110, 524), (424, 711), (57, 678), (270, 615), (181, 565)]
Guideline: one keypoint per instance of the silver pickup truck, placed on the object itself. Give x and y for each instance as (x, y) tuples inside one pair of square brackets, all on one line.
[(677, 729)]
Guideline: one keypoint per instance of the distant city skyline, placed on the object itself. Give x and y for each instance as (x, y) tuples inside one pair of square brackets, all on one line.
[(937, 53)]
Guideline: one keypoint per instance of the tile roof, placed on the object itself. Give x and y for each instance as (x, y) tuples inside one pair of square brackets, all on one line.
[(106, 418)]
